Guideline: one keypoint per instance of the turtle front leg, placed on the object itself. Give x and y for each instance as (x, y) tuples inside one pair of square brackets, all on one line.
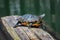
[(17, 24)]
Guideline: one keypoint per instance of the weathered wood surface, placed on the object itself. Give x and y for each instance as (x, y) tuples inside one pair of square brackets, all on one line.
[(24, 33), (10, 30), (30, 34), (21, 34)]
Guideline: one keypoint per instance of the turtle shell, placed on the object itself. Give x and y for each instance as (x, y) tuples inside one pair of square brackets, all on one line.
[(30, 18)]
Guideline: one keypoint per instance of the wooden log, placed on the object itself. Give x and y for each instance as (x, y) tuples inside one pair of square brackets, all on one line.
[(42, 34), (10, 30), (30, 34), (23, 33)]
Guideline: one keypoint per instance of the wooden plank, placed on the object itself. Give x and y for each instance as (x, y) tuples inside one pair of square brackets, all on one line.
[(42, 34), (11, 20), (10, 30), (30, 34), (21, 34)]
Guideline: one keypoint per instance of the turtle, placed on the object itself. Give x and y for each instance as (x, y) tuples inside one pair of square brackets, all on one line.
[(30, 20)]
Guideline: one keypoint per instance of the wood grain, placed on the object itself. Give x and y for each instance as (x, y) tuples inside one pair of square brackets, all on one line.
[(10, 30)]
